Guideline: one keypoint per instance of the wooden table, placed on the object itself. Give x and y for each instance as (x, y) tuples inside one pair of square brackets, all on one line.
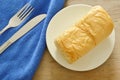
[(49, 69)]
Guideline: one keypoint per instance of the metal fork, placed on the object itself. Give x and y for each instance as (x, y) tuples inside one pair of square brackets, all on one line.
[(19, 17)]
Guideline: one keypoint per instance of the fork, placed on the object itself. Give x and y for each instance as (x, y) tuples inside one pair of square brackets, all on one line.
[(19, 17)]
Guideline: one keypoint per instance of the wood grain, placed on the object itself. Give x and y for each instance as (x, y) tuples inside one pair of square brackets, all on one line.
[(110, 70)]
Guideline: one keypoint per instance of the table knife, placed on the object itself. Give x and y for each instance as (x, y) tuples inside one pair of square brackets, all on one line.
[(27, 27)]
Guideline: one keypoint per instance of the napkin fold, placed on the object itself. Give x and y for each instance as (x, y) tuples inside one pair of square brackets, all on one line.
[(21, 59)]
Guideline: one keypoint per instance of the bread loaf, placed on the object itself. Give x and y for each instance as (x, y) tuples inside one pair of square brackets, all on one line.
[(85, 34)]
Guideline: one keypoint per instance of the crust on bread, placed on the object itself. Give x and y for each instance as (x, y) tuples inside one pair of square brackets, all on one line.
[(87, 33)]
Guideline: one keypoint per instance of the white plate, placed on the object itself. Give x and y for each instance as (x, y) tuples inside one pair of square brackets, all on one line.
[(62, 21)]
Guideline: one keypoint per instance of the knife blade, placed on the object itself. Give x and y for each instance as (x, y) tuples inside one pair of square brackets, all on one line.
[(27, 27)]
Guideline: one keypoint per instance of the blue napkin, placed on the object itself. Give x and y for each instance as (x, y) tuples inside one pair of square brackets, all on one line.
[(21, 59)]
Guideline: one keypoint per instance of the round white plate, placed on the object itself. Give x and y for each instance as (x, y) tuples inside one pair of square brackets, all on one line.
[(61, 22)]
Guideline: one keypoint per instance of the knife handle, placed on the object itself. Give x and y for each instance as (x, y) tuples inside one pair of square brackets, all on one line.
[(5, 46)]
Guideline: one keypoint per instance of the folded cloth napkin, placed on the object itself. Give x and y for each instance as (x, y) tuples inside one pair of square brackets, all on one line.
[(21, 59)]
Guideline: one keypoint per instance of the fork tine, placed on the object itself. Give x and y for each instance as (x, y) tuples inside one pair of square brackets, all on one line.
[(26, 8), (26, 12), (21, 10)]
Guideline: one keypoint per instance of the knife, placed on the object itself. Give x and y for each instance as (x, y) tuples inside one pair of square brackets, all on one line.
[(27, 27)]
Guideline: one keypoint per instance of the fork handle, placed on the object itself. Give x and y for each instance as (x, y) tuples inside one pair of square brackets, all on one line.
[(2, 31)]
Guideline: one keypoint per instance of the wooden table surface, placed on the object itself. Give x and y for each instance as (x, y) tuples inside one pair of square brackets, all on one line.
[(49, 69)]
